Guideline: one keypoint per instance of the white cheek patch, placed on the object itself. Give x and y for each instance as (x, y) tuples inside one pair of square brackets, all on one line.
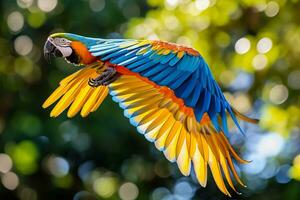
[(66, 51)]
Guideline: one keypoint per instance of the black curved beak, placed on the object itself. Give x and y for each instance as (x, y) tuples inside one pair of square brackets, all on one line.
[(51, 50)]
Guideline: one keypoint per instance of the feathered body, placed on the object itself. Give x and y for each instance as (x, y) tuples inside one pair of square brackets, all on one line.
[(166, 90)]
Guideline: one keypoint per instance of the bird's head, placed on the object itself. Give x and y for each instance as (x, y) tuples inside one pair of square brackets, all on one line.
[(69, 46)]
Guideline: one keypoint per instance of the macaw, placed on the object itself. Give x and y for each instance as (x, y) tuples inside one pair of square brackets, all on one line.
[(167, 92)]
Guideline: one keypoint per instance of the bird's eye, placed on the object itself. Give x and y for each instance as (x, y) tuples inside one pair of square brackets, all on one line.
[(63, 40)]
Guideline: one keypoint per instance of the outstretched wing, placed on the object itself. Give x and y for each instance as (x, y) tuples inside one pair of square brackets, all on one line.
[(179, 68), (168, 92), (158, 115)]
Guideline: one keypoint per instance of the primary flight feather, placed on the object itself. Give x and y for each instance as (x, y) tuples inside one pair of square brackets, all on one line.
[(167, 92)]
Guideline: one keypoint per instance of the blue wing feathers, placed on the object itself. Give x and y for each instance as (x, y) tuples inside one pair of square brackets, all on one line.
[(171, 78), (129, 61), (174, 60), (206, 100), (142, 61), (144, 49), (193, 98), (134, 53), (224, 118), (217, 104), (199, 111), (185, 62), (202, 104), (102, 47), (168, 58), (121, 59), (213, 114), (180, 90), (162, 75), (144, 67), (115, 54), (157, 68), (178, 82), (148, 53), (190, 87), (188, 76)]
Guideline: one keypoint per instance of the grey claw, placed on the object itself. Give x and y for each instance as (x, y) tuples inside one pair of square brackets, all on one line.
[(107, 77), (92, 82)]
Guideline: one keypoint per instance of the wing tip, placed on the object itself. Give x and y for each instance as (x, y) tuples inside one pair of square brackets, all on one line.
[(45, 105), (244, 117)]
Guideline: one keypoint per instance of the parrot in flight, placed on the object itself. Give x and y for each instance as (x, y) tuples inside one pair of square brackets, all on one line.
[(167, 92)]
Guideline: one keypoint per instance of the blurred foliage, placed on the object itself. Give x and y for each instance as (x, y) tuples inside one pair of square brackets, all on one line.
[(252, 46)]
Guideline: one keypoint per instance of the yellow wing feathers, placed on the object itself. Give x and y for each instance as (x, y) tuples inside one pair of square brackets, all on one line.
[(179, 136), (159, 118), (75, 93)]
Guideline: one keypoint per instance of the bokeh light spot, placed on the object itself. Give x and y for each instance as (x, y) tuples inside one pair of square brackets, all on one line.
[(278, 94), (256, 165), (242, 81), (202, 4), (97, 5), (269, 171), (23, 45), (36, 18), (272, 9), (294, 171), (58, 166), (85, 170), (10, 180), (264, 45), (265, 146), (24, 156), (5, 163), (24, 3), (259, 62), (242, 103), (184, 189), (242, 46), (15, 21), (171, 4), (128, 191), (47, 5), (261, 6), (282, 175), (105, 187)]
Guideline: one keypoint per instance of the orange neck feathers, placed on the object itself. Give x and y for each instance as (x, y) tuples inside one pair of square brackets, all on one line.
[(85, 56)]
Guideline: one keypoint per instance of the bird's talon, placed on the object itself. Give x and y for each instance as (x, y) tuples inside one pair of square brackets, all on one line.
[(92, 82), (107, 77)]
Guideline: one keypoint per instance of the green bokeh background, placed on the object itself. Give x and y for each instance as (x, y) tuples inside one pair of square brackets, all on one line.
[(252, 46)]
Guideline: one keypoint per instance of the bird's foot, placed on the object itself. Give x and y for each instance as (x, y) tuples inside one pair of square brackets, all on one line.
[(108, 76)]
